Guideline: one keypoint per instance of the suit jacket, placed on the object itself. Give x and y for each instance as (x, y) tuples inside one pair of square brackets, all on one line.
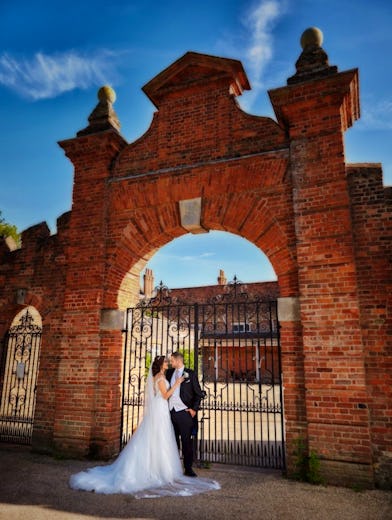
[(190, 392)]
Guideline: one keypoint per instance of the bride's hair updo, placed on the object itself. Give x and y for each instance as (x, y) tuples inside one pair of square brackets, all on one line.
[(157, 365)]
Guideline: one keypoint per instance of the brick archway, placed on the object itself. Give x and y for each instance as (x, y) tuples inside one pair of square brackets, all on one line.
[(269, 230), (205, 165), (281, 186), (245, 213)]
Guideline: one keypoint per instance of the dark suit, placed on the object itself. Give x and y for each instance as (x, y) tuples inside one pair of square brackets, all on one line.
[(184, 424)]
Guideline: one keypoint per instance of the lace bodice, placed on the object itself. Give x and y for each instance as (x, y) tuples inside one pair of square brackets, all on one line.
[(156, 385)]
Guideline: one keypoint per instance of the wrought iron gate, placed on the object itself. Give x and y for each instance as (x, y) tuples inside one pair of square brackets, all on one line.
[(18, 380), (233, 344)]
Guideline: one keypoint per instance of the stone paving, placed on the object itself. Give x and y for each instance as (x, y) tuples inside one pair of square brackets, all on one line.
[(35, 487)]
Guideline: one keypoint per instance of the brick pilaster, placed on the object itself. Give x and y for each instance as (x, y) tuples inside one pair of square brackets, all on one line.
[(80, 381), (315, 113)]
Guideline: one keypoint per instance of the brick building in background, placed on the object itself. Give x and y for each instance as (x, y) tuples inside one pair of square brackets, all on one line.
[(205, 293), (204, 164), (235, 352)]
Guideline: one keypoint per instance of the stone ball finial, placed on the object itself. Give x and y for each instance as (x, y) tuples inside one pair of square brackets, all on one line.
[(311, 37), (106, 93)]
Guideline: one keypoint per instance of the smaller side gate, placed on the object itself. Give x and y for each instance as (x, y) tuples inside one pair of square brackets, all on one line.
[(18, 380)]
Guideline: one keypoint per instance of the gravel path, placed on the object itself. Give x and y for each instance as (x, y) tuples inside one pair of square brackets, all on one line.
[(34, 487)]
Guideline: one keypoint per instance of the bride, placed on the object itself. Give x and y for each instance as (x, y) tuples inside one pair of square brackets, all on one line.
[(149, 466)]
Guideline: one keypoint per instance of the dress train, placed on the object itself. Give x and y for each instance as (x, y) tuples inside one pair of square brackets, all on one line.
[(149, 466)]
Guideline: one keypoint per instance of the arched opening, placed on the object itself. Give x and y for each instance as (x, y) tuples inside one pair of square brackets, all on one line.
[(139, 235), (18, 376), (194, 261), (228, 332)]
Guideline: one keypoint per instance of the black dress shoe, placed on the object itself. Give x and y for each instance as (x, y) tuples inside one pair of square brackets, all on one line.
[(190, 473)]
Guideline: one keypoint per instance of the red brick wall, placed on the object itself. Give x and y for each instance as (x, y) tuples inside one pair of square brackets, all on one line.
[(372, 217), (39, 267)]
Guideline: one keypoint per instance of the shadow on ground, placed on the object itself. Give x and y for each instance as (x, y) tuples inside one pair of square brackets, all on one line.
[(35, 487)]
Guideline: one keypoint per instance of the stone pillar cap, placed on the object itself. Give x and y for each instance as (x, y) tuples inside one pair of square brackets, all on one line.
[(313, 61), (103, 117)]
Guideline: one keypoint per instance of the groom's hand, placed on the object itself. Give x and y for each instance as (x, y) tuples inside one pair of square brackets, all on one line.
[(192, 412)]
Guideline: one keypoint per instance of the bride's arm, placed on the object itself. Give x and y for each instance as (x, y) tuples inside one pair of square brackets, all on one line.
[(168, 393)]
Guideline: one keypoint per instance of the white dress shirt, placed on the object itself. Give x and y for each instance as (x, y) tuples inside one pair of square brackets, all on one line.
[(175, 399)]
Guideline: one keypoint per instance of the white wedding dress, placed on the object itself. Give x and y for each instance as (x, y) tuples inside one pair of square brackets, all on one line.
[(149, 466)]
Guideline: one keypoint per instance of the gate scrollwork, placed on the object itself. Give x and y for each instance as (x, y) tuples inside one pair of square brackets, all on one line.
[(19, 379)]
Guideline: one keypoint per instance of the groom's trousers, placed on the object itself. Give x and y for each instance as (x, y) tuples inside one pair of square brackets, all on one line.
[(183, 426)]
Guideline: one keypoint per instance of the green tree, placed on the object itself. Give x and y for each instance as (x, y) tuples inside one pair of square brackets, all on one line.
[(8, 230)]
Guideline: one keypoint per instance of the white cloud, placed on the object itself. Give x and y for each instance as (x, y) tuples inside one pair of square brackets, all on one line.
[(47, 76), (259, 22), (376, 114), (194, 258)]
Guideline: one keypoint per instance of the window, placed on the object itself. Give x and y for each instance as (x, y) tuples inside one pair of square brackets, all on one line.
[(241, 327)]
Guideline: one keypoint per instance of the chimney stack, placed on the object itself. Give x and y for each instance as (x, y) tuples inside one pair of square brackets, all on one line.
[(222, 280), (148, 279)]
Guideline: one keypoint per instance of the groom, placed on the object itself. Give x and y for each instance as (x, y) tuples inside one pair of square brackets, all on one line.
[(183, 404)]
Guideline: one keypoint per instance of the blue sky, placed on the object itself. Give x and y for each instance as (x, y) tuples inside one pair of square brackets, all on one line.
[(54, 55)]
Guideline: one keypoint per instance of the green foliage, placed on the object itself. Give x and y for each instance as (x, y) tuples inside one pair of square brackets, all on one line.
[(148, 362), (307, 467), (313, 475), (300, 459), (9, 230), (58, 456), (150, 313), (189, 358)]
